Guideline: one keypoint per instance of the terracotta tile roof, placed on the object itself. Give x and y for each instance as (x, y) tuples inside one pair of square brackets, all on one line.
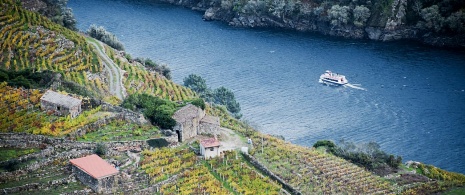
[(210, 142), (211, 119), (94, 166), (60, 99), (186, 113)]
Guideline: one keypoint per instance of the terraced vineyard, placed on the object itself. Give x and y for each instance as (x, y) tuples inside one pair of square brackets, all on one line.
[(195, 181), (161, 164), (21, 113), (30, 40), (307, 169), (137, 79), (312, 171), (240, 176)]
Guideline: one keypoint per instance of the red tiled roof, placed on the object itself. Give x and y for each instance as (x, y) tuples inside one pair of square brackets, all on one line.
[(94, 166), (210, 142)]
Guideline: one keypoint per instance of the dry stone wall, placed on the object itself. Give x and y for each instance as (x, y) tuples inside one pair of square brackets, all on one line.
[(265, 170)]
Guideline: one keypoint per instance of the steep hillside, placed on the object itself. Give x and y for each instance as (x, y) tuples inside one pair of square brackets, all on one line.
[(31, 41), (315, 171), (435, 22)]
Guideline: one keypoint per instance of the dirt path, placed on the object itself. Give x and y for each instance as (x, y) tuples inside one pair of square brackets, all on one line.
[(116, 85), (230, 140)]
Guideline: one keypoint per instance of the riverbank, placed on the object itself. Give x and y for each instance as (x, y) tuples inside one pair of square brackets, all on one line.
[(375, 20)]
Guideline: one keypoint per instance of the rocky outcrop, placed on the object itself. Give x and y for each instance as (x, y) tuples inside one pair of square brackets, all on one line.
[(375, 20)]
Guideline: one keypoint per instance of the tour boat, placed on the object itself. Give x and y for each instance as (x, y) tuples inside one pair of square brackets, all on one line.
[(333, 78)]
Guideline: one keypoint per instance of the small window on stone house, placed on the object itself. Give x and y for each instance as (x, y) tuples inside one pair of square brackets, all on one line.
[(59, 108), (212, 149)]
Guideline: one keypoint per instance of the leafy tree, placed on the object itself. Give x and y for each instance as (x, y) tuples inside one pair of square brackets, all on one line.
[(69, 21), (361, 15), (339, 15), (432, 18), (226, 97), (196, 83), (456, 21), (157, 110)]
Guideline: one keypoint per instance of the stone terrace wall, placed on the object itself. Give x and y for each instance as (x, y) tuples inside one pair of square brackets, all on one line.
[(265, 170)]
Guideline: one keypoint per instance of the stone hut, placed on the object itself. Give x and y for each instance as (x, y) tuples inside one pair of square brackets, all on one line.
[(210, 148), (192, 121), (209, 125), (95, 172), (60, 104)]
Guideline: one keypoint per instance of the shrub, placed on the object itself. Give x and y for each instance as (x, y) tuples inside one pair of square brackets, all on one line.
[(199, 103), (339, 15), (101, 149), (103, 35), (11, 165), (361, 15)]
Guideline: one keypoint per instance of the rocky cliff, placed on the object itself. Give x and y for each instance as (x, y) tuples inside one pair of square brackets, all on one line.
[(434, 22)]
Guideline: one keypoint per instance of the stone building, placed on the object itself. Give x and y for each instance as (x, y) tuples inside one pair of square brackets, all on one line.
[(60, 104), (95, 172), (210, 148), (192, 121), (209, 125)]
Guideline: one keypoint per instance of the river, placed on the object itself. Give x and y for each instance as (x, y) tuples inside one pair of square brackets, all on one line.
[(413, 105)]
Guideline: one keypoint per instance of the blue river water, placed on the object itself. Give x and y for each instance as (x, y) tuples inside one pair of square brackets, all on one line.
[(413, 105)]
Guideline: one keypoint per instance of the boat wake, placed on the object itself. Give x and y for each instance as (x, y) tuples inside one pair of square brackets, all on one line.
[(355, 86)]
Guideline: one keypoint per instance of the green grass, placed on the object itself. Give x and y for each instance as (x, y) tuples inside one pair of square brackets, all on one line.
[(12, 153), (122, 131), (456, 191)]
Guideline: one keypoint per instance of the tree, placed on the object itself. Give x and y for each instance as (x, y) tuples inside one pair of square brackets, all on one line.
[(226, 97), (361, 15), (339, 15), (432, 18), (196, 83), (456, 21), (68, 19)]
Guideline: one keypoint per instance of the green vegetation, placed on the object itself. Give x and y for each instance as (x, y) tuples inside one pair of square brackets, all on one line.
[(442, 175), (221, 95), (163, 69), (456, 191), (199, 103), (27, 78), (101, 149), (243, 179), (12, 153), (368, 155), (121, 131), (33, 42), (138, 80), (103, 35), (159, 111)]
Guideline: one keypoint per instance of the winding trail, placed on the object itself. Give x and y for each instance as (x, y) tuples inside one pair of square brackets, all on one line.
[(116, 84)]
